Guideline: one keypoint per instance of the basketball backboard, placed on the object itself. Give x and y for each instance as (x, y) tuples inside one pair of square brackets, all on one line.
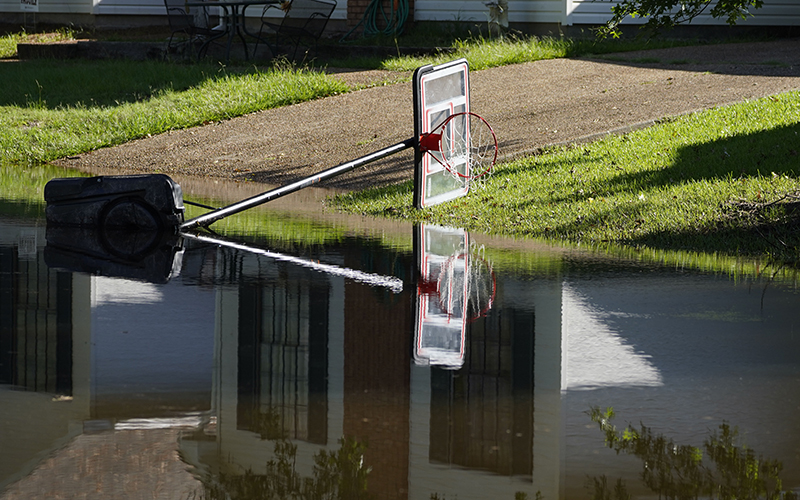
[(439, 91)]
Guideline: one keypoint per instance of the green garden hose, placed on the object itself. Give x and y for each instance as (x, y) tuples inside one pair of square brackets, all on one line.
[(394, 22)]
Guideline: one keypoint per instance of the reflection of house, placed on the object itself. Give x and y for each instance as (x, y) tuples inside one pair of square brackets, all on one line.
[(282, 357), (79, 353), (41, 351), (276, 350), (457, 432), (680, 353), (535, 15), (298, 354), (315, 358), (491, 397), (35, 318)]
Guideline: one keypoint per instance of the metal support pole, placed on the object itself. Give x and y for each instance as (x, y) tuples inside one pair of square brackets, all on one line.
[(213, 216)]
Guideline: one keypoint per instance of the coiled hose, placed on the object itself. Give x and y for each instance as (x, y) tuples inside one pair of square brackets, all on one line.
[(394, 22)]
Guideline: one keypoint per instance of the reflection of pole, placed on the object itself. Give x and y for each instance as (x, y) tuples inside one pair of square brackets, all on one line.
[(392, 283), (211, 217)]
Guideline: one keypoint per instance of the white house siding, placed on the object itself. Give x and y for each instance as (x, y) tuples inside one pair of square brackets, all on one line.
[(568, 12), (340, 12), (51, 6), (126, 7), (519, 11), (773, 13)]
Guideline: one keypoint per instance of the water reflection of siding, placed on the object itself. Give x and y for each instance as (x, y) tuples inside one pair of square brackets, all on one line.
[(377, 350), (283, 357), (482, 414), (35, 324)]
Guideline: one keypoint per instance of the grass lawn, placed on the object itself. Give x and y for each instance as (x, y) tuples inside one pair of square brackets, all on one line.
[(723, 180), (53, 109)]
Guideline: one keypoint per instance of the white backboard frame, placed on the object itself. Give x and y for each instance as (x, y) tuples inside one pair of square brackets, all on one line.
[(439, 334), (439, 91)]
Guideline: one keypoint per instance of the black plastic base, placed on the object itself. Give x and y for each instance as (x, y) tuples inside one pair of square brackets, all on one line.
[(150, 202)]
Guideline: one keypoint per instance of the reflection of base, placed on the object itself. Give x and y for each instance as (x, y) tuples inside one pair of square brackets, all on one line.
[(153, 256), (129, 213)]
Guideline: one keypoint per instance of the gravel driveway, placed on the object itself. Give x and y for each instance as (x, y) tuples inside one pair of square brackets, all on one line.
[(530, 106)]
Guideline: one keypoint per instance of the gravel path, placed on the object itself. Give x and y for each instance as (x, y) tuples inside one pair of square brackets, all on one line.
[(530, 106)]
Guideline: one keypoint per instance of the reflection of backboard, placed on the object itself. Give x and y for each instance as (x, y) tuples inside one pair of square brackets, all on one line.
[(441, 321), (439, 91)]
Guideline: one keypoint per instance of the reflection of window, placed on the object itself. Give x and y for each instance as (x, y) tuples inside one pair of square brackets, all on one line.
[(283, 358), (35, 325), (482, 414)]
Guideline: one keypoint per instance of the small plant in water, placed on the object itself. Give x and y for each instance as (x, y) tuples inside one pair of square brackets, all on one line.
[(721, 469), (338, 475)]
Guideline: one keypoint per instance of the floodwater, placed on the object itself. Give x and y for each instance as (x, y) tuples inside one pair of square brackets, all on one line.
[(309, 356)]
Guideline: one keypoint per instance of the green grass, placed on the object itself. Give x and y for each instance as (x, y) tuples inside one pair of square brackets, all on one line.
[(53, 109), (8, 42), (698, 182), (483, 53)]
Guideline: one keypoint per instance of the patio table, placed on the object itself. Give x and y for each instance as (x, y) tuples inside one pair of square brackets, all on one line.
[(234, 15)]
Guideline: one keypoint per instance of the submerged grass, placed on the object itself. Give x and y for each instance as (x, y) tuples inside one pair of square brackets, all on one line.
[(722, 180)]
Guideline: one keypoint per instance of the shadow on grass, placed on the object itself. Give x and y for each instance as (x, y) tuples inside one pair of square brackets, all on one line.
[(770, 226), (773, 58), (764, 153), (51, 84)]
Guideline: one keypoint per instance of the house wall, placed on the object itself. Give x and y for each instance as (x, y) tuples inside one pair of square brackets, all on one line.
[(125, 7), (520, 11), (111, 12), (773, 13), (524, 13), (51, 6)]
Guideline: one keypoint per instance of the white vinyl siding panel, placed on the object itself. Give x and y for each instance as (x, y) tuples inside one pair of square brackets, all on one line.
[(51, 6), (128, 7), (340, 12), (773, 13), (519, 11)]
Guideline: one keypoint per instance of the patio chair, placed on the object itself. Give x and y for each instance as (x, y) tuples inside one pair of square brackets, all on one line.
[(301, 19), (193, 26)]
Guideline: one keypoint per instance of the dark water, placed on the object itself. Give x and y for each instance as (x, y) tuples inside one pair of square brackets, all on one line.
[(411, 363)]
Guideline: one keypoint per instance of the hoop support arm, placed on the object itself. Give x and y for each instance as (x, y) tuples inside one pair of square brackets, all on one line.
[(430, 142)]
